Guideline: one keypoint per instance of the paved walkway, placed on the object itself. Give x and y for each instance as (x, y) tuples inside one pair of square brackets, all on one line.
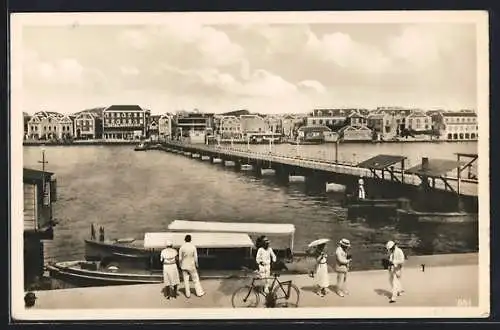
[(436, 287)]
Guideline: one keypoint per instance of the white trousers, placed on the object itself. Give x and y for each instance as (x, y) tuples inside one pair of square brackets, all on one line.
[(265, 273), (193, 273), (395, 281)]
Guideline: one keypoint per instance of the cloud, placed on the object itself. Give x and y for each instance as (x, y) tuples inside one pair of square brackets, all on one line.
[(340, 49), (129, 71), (312, 85), (186, 44)]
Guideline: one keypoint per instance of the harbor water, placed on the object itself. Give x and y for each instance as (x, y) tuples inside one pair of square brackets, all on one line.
[(130, 193)]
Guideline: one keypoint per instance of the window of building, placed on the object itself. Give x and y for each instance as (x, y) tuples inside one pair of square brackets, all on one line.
[(461, 136), (450, 136)]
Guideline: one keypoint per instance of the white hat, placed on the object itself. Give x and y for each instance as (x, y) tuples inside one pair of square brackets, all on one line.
[(345, 242), (390, 245), (361, 181), (169, 243)]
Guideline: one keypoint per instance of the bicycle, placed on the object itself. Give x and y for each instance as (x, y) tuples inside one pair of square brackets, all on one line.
[(281, 294)]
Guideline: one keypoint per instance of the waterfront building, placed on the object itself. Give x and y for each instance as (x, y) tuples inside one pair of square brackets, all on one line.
[(88, 125), (193, 121), (355, 119), (290, 124), (230, 127), (274, 124), (44, 125), (419, 122), (313, 134), (39, 192), (398, 115), (125, 122), (456, 125), (165, 126), (26, 119), (332, 118), (356, 133), (153, 129), (64, 127), (382, 125), (252, 124)]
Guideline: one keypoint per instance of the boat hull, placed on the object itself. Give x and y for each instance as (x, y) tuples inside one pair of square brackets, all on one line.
[(436, 217), (93, 273)]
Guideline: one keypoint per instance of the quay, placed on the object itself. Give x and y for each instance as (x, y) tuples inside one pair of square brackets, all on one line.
[(435, 286), (426, 183)]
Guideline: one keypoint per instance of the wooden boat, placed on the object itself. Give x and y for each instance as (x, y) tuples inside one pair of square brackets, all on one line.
[(143, 146), (282, 235), (226, 254), (436, 217), (220, 251)]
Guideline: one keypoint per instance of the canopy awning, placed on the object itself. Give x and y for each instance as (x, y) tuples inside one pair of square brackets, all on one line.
[(381, 162), (200, 240), (435, 168), (276, 229)]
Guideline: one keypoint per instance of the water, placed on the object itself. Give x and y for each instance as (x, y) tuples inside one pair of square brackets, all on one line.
[(130, 193)]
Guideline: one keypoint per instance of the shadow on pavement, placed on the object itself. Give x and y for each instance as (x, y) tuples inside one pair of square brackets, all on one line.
[(383, 292)]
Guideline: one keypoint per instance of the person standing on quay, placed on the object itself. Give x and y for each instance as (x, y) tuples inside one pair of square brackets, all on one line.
[(265, 255), (396, 261), (171, 279), (320, 273), (188, 259), (342, 264)]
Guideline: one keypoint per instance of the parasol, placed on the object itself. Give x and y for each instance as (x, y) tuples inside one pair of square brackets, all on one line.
[(318, 242)]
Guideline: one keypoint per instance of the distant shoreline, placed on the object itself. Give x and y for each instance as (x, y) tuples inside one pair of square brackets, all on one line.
[(107, 143)]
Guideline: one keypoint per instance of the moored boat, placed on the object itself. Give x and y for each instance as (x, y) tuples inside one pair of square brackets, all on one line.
[(436, 217), (141, 146)]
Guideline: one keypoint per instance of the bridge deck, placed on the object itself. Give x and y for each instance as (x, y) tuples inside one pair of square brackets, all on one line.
[(467, 186)]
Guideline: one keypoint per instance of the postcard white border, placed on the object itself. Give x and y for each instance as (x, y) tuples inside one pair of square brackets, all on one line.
[(479, 18)]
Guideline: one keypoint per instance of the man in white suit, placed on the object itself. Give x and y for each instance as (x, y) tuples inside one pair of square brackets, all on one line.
[(396, 261), (188, 259)]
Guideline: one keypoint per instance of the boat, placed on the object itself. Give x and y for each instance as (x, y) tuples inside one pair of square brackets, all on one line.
[(143, 146), (227, 253), (436, 217)]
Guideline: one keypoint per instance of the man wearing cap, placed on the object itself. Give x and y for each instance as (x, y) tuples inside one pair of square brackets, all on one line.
[(343, 261), (396, 261), (265, 255), (188, 259), (168, 257)]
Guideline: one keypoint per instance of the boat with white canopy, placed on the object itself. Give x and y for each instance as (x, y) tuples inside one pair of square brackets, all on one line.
[(250, 228), (220, 255)]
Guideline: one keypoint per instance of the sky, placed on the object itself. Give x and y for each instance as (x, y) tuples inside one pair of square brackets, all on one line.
[(265, 68)]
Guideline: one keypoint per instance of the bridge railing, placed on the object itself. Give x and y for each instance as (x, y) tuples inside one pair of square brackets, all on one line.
[(467, 187)]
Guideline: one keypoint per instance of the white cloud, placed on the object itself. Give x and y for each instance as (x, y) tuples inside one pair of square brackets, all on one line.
[(424, 46), (186, 44), (312, 85), (129, 71), (340, 49)]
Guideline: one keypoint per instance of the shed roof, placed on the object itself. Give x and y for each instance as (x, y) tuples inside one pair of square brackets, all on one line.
[(380, 162), (234, 227), (35, 175), (436, 167), (201, 240)]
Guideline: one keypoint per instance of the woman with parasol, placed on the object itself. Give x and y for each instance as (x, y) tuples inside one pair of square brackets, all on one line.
[(320, 272)]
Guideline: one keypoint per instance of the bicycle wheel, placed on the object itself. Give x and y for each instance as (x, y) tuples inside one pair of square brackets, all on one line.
[(245, 297), (282, 301)]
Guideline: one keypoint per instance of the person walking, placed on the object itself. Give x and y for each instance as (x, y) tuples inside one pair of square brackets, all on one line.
[(396, 261), (188, 259), (171, 280), (320, 272), (265, 255), (342, 263)]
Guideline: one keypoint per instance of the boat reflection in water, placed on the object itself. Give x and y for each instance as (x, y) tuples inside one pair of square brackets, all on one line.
[(224, 250)]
